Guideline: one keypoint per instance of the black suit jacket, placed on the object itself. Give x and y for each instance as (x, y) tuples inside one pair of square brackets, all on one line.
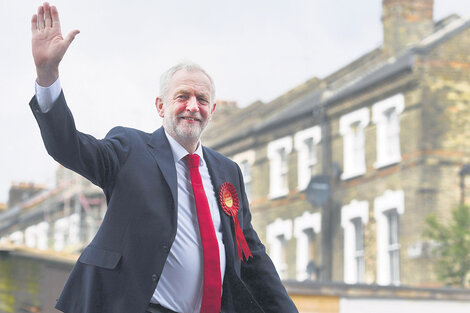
[(119, 270)]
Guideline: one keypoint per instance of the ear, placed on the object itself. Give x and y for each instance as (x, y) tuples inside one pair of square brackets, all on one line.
[(213, 108), (159, 106)]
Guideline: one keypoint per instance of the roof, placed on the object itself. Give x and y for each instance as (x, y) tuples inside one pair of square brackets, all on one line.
[(367, 71)]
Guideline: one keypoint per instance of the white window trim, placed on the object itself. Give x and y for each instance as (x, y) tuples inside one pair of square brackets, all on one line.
[(360, 116), (42, 230), (303, 173), (250, 157), (30, 236), (17, 237), (355, 209), (306, 221), (275, 188), (396, 102), (60, 230), (278, 228), (389, 200), (74, 230)]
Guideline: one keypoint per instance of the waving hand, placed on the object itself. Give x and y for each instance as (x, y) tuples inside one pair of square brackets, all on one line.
[(48, 44)]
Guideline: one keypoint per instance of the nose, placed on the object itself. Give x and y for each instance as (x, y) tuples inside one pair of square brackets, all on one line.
[(192, 105)]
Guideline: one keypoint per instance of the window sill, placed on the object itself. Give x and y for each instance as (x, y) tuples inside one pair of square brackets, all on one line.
[(278, 195), (385, 163), (349, 175)]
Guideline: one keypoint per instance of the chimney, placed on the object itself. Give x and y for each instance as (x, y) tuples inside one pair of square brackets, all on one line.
[(405, 22), (20, 192)]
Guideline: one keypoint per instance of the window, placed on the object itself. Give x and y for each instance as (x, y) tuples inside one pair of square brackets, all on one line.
[(306, 145), (393, 245), (17, 237), (30, 235), (306, 227), (387, 211), (278, 234), (353, 218), (60, 233), (278, 152), (386, 115), (352, 127), (245, 161), (359, 248), (43, 235), (74, 230)]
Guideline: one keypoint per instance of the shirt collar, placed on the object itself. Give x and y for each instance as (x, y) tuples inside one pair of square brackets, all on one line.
[(180, 152)]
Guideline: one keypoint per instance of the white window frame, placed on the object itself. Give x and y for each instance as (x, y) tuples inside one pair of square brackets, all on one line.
[(42, 230), (30, 236), (278, 234), (249, 157), (61, 227), (301, 224), (390, 200), (388, 136), (355, 209), (305, 159), (352, 128), (279, 168), (74, 230), (17, 237)]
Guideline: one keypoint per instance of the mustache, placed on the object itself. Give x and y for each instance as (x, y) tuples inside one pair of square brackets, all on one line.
[(196, 116)]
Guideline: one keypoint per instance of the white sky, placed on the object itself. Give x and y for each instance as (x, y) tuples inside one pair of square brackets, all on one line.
[(253, 49)]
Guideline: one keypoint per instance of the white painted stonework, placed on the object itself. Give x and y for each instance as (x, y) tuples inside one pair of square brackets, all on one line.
[(304, 159), (301, 224), (355, 209), (388, 201), (276, 233), (388, 130), (275, 148), (351, 127)]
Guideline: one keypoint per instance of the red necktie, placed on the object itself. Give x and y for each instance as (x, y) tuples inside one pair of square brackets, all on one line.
[(212, 289)]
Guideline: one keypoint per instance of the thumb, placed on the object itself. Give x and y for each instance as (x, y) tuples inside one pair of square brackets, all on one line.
[(71, 36)]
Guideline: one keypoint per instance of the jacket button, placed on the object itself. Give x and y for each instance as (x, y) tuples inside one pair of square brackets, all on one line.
[(165, 248), (154, 277)]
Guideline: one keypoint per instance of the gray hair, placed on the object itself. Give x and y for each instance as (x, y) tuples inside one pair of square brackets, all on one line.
[(187, 66)]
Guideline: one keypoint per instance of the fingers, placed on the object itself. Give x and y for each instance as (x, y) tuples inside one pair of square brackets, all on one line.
[(71, 36), (47, 15), (55, 16), (34, 24), (41, 24)]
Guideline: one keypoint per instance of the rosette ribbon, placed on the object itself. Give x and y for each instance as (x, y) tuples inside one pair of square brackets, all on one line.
[(229, 201)]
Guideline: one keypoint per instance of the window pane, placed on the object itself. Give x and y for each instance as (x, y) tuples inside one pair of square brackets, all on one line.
[(394, 246)]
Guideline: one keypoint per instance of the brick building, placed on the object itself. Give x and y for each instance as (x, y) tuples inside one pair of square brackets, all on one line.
[(391, 133), (63, 219)]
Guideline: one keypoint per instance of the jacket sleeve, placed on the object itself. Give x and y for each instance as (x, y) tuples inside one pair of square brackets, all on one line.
[(97, 160), (259, 273)]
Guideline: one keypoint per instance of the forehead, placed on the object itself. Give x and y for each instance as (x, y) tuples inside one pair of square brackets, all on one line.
[(190, 81)]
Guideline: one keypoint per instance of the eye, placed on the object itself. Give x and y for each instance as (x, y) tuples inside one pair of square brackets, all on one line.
[(181, 97), (202, 100)]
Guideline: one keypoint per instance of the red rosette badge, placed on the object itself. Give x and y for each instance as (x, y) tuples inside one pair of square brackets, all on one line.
[(229, 201)]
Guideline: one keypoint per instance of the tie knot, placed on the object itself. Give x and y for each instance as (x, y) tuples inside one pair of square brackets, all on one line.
[(192, 160)]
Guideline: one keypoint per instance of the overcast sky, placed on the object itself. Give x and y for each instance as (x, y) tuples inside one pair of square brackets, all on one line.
[(255, 50)]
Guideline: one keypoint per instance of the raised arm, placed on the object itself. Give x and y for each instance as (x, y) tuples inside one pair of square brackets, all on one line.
[(48, 45)]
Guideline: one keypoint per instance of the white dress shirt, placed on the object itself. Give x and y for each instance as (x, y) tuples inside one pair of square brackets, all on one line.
[(181, 282)]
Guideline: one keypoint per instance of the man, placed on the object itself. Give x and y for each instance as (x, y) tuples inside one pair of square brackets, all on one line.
[(177, 236)]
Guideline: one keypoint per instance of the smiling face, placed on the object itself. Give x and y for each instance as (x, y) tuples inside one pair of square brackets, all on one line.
[(186, 108)]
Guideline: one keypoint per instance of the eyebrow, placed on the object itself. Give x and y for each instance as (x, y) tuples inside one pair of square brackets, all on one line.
[(186, 92)]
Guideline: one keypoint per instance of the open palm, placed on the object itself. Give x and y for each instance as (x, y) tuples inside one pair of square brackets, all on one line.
[(48, 45)]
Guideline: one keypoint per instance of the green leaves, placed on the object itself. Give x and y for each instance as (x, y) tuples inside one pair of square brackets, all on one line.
[(452, 245)]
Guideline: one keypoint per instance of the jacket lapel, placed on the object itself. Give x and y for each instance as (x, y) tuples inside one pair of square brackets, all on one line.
[(160, 149)]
